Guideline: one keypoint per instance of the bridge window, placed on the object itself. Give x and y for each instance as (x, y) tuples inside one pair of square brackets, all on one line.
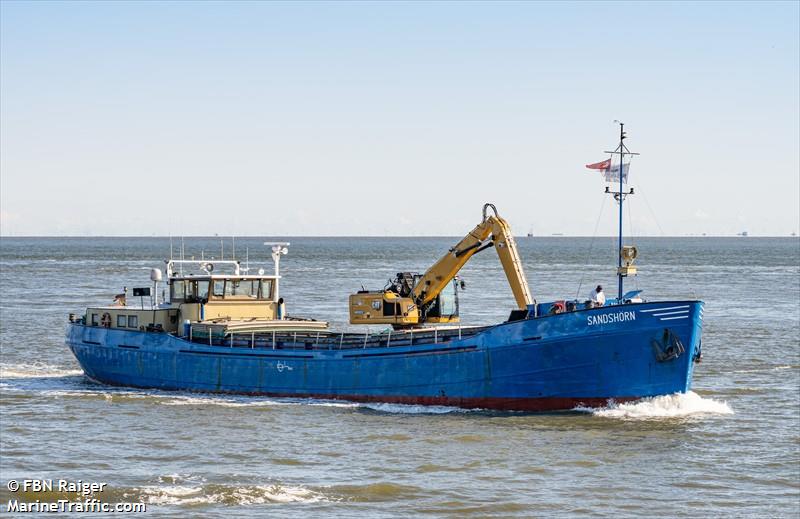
[(192, 291), (121, 321), (178, 291), (94, 320), (133, 321), (201, 289), (219, 288), (266, 289), (242, 289)]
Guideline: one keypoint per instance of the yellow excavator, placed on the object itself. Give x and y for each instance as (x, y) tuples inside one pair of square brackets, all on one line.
[(412, 299)]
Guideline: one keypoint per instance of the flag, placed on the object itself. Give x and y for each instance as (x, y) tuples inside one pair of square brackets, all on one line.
[(612, 173), (600, 165)]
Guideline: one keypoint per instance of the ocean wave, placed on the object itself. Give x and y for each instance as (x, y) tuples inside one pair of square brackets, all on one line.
[(377, 491), (677, 405), (187, 495), (765, 369)]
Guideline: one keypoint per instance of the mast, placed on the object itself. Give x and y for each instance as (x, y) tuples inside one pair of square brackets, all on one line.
[(619, 196)]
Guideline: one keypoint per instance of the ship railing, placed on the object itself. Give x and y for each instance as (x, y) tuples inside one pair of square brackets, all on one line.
[(326, 340)]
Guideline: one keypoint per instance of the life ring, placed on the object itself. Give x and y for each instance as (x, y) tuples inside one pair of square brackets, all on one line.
[(105, 321)]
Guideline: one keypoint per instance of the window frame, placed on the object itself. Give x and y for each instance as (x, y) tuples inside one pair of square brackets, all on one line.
[(261, 295), (172, 296), (213, 288)]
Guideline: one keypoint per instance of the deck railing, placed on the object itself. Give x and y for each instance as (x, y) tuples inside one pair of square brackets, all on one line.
[(319, 340)]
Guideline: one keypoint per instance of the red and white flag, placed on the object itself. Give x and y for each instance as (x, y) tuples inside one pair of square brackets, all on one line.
[(611, 173), (606, 164)]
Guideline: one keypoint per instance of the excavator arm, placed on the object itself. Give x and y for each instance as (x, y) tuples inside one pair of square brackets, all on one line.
[(498, 233), (411, 300)]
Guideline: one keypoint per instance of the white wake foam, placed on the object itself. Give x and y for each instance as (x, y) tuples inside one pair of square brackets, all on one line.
[(208, 399), (216, 494), (167, 398), (667, 406), (178, 398), (35, 370), (413, 409)]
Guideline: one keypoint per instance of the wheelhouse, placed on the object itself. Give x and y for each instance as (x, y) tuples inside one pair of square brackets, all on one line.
[(196, 289)]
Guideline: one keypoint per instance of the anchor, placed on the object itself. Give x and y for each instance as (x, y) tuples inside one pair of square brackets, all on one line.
[(698, 354), (669, 348)]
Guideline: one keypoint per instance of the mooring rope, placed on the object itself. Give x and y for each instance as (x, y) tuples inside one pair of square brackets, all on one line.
[(591, 244)]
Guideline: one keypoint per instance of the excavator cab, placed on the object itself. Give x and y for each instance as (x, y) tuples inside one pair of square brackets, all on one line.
[(395, 305), (444, 308)]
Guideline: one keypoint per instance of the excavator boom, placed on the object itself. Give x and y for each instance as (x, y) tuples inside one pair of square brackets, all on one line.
[(443, 271), (512, 264)]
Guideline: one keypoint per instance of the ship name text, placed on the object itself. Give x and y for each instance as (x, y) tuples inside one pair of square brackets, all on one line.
[(617, 317)]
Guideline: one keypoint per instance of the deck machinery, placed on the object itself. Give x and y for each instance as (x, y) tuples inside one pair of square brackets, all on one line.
[(413, 300)]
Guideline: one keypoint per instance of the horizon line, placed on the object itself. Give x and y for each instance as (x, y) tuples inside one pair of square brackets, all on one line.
[(386, 236)]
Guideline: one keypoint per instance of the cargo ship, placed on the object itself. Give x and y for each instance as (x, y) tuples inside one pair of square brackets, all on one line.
[(223, 329)]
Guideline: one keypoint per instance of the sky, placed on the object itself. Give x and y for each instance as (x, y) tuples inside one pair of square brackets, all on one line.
[(393, 118)]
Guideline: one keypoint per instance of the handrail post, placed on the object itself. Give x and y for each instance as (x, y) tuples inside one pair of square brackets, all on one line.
[(209, 337), (252, 340), (341, 339), (411, 342), (389, 339), (273, 339), (366, 334), (435, 335), (231, 339)]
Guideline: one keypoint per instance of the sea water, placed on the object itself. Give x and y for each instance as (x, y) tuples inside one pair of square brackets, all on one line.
[(730, 447)]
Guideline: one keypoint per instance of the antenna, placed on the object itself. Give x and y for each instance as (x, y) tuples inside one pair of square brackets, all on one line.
[(278, 249)]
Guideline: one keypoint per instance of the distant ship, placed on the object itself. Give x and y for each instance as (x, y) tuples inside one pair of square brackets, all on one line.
[(743, 233)]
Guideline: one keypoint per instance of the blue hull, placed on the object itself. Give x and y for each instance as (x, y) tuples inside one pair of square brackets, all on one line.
[(554, 362)]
